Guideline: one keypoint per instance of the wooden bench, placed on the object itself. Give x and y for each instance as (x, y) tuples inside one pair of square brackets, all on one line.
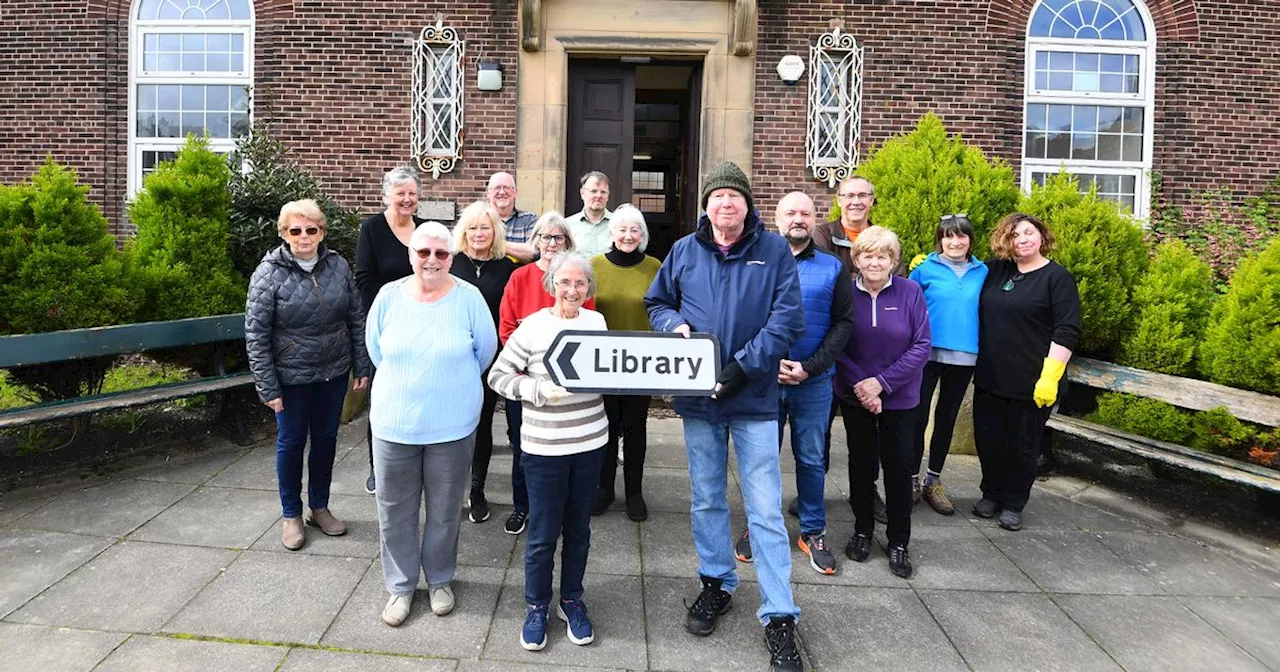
[(225, 332), (1185, 393)]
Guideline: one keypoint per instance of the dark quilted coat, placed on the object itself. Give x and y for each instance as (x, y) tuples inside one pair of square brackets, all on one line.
[(303, 327)]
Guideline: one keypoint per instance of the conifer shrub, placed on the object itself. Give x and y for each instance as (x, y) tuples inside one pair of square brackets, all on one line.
[(1171, 304), (926, 173), (1242, 344), (1104, 250), (1218, 431), (1145, 417)]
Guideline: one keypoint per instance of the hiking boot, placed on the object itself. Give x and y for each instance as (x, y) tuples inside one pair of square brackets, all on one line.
[(291, 533), (578, 624), (859, 547), (1011, 520), (793, 506), (900, 561), (821, 559), (937, 498), (515, 525), (742, 548), (986, 508), (533, 634), (371, 484), (604, 499), (397, 609), (441, 600), (915, 491), (323, 519), (637, 510), (878, 510), (712, 603), (479, 507), (780, 638)]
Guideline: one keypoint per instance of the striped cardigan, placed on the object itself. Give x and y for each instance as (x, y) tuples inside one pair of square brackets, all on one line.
[(576, 424)]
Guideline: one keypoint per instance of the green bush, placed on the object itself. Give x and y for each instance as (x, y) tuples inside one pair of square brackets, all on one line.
[(1146, 417), (1242, 345), (922, 175), (1171, 305), (1217, 431), (263, 179), (1102, 247)]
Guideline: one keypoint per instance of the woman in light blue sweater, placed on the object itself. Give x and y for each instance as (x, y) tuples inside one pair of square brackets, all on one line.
[(430, 335), (952, 280)]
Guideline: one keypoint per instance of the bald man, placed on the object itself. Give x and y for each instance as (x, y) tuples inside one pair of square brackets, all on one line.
[(501, 194)]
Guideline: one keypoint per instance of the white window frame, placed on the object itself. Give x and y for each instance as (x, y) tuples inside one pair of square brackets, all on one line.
[(839, 50), (138, 29), (436, 152), (1145, 50)]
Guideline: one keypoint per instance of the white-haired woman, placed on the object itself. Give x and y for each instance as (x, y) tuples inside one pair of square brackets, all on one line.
[(563, 439), (480, 240), (624, 273), (525, 295), (382, 251), (300, 358), (430, 336)]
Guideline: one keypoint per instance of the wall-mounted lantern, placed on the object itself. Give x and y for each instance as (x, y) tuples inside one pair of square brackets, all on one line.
[(489, 77)]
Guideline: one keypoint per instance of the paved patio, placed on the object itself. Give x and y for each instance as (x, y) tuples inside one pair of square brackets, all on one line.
[(177, 565)]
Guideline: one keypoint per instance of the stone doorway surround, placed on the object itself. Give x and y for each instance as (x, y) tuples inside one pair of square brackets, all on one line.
[(720, 32)]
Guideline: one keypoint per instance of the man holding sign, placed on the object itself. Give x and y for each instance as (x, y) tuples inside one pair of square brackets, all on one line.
[(738, 282)]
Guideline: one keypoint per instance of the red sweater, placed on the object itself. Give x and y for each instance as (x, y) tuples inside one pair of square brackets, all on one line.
[(524, 296)]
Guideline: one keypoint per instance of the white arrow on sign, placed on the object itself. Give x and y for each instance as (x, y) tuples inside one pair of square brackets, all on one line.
[(634, 362)]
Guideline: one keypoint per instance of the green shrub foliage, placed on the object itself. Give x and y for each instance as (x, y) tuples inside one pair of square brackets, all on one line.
[(922, 175), (1217, 431), (1242, 345), (270, 180), (180, 250), (1102, 247), (1171, 305), (1146, 417)]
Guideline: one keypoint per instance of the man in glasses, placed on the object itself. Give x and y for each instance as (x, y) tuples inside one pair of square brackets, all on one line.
[(590, 228), (855, 195), (501, 194)]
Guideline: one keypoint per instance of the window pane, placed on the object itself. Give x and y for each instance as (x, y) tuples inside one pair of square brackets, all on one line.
[(239, 124), (170, 42), (167, 124), (218, 124), (146, 97), (1042, 81), (1132, 148), (239, 9), (1061, 81), (1059, 117), (1108, 147), (168, 97), (237, 63), (193, 62), (1128, 183), (218, 63), (1131, 84), (193, 42), (1087, 62), (1131, 64), (1085, 81), (146, 124), (192, 122), (218, 97), (1133, 120), (1084, 118), (1035, 117), (1084, 146), (1111, 84), (150, 41), (1059, 146), (1060, 60), (219, 42), (1113, 62), (1042, 60), (1109, 184), (1109, 119), (192, 97), (237, 42), (149, 62), (239, 98), (169, 62), (1036, 143)]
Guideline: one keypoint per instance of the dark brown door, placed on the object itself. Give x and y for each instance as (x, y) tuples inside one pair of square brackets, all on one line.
[(602, 108), (692, 142)]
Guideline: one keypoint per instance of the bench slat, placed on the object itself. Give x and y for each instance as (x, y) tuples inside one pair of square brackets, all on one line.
[(1182, 392), (1170, 453), (107, 402), (57, 346)]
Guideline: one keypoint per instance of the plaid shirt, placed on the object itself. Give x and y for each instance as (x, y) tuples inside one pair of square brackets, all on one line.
[(519, 226)]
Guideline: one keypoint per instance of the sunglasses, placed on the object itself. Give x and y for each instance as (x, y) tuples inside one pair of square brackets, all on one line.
[(958, 215), (425, 253), (297, 231)]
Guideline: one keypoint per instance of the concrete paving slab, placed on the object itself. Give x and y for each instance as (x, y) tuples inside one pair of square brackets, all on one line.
[(486, 544), (737, 643), (350, 471), (665, 450), (847, 628), (1126, 506), (359, 513), (618, 619), (221, 517), (951, 558), (615, 545), (113, 509), (1250, 622), (311, 660), (1015, 632), (186, 468), (666, 543), (130, 587), (461, 634), (1182, 567), (1155, 634), (507, 666), (256, 470), (47, 649), (272, 597), (1061, 561), (33, 560), (13, 508), (1056, 512), (189, 655)]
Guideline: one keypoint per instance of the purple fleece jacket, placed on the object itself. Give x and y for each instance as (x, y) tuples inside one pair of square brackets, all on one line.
[(891, 342)]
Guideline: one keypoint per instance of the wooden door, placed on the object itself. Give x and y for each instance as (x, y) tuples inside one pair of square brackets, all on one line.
[(602, 109), (690, 204)]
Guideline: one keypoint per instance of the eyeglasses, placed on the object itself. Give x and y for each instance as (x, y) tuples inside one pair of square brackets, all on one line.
[(426, 252), (501, 188), (958, 215), (557, 238), (860, 195), (297, 231)]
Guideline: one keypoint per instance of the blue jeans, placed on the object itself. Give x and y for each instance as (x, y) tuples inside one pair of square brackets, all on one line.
[(515, 420), (755, 444), (561, 491), (808, 408), (314, 408)]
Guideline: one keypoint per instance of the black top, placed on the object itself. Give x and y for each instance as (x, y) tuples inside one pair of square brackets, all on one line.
[(624, 259), (840, 330), (1019, 315), (380, 257), (490, 277)]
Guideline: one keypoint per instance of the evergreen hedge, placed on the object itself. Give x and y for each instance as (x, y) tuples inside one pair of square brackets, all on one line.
[(1242, 345), (1171, 304)]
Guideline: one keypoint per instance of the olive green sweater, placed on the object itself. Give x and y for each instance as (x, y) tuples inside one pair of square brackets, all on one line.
[(620, 292)]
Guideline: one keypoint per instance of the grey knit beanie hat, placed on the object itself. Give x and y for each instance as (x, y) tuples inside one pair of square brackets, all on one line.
[(727, 175)]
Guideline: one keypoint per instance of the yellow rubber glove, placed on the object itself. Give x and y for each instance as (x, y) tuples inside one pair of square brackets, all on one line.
[(916, 261), (1046, 391)]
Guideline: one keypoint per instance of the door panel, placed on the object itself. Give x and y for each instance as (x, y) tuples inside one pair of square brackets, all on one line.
[(601, 113)]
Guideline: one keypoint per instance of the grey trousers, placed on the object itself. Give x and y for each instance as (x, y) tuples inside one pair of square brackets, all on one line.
[(404, 472)]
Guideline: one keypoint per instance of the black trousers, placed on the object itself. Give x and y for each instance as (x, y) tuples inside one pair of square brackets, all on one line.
[(484, 440), (889, 435), (368, 404), (628, 420), (1007, 434), (954, 380)]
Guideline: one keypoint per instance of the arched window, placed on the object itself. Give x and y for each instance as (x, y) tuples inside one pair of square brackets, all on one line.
[(190, 71), (1089, 96)]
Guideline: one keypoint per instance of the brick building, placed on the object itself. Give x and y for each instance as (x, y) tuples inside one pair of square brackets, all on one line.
[(651, 91)]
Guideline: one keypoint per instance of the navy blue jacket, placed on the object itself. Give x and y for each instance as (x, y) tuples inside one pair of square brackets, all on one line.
[(826, 292), (749, 299)]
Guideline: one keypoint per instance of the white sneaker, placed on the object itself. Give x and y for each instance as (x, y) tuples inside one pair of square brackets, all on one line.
[(397, 609), (441, 600)]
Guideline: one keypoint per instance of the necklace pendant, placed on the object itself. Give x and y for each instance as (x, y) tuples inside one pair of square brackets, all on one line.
[(1008, 285)]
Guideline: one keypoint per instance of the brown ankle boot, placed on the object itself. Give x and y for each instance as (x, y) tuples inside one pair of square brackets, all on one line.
[(324, 520), (291, 533)]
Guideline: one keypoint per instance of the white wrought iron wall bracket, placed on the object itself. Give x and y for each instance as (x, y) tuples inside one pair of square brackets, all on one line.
[(437, 127), (835, 106)]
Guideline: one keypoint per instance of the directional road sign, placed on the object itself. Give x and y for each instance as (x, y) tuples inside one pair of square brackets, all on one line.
[(634, 362)]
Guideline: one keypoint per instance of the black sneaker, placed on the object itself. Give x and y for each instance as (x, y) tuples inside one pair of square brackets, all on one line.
[(742, 548), (985, 508), (821, 559), (516, 522), (712, 603), (780, 638), (900, 561), (370, 485), (859, 547), (1011, 520), (878, 510), (479, 507), (637, 510), (604, 499), (793, 507)]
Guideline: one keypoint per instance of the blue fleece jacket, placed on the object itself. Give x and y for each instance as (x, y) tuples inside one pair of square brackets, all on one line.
[(952, 302), (749, 299)]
